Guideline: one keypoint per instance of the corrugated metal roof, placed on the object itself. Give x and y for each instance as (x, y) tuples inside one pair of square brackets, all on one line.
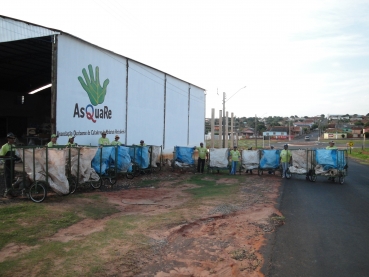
[(11, 30)]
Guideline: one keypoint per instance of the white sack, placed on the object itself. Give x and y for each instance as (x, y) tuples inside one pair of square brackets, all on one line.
[(218, 157), (56, 169), (86, 172), (155, 155), (300, 165), (250, 159), (28, 163)]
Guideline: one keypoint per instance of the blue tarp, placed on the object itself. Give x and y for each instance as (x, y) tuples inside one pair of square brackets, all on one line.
[(105, 158), (330, 158), (269, 159), (102, 157), (140, 155), (123, 159), (184, 154)]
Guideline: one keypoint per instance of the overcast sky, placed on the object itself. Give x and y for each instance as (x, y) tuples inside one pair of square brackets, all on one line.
[(295, 57)]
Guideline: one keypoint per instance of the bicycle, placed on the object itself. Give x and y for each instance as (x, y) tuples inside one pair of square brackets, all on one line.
[(35, 190)]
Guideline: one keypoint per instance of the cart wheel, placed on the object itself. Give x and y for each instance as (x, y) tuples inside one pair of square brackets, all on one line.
[(96, 184), (341, 179), (37, 191), (129, 175), (260, 172), (288, 174), (72, 185), (113, 180), (313, 178)]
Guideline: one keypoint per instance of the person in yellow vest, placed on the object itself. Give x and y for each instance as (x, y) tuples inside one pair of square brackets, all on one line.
[(116, 141), (71, 141), (5, 152), (235, 158), (53, 142), (285, 158), (203, 157), (103, 140), (331, 145)]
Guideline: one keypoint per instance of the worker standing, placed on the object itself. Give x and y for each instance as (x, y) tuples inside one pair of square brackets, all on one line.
[(6, 152), (285, 158), (116, 141), (103, 140), (235, 157), (53, 142), (203, 157)]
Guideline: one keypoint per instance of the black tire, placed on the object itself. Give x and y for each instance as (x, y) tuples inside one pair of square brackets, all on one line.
[(313, 178), (72, 185), (113, 180), (96, 184), (288, 174), (260, 172), (341, 179), (129, 175), (37, 192)]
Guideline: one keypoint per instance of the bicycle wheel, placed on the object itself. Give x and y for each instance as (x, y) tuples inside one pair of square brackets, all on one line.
[(112, 180), (313, 178), (260, 171), (96, 184), (37, 192), (341, 179)]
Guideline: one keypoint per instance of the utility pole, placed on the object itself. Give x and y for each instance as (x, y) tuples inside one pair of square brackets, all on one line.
[(223, 121), (256, 135)]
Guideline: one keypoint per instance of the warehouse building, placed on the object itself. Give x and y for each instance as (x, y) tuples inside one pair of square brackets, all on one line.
[(54, 82)]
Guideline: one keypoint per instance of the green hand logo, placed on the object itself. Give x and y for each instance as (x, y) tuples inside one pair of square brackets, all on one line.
[(92, 86)]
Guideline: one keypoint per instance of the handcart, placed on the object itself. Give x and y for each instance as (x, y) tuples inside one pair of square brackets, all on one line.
[(110, 161), (329, 163), (43, 168), (218, 159), (80, 172), (22, 184), (183, 159), (269, 161), (250, 160), (301, 164), (146, 159)]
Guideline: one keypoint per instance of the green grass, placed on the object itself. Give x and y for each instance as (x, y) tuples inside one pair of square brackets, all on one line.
[(31, 224), (359, 155), (209, 188)]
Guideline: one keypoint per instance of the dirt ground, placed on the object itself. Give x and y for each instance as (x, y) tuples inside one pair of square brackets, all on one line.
[(222, 240)]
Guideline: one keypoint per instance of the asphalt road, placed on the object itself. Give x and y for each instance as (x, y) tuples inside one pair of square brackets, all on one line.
[(326, 231)]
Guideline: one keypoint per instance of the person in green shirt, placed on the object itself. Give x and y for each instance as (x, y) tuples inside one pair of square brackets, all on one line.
[(235, 157), (331, 145), (5, 152), (103, 140), (203, 157), (71, 141), (285, 158), (116, 141), (142, 143), (53, 142)]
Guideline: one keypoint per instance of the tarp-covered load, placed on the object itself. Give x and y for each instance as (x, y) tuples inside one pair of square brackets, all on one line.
[(86, 172), (329, 161), (100, 162), (300, 162), (140, 156), (56, 167), (184, 156), (250, 159), (269, 159), (123, 162), (218, 157)]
